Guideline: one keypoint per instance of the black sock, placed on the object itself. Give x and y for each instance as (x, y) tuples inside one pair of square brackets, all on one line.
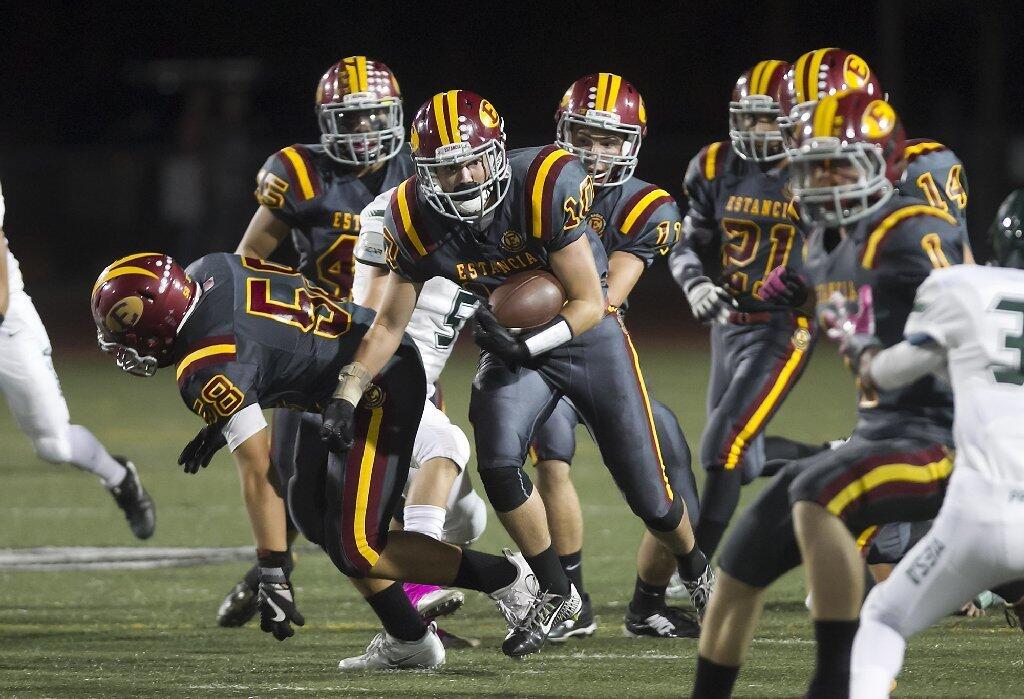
[(709, 535), (647, 598), (572, 564), (832, 670), (483, 572), (713, 681), (549, 572), (396, 613), (692, 564)]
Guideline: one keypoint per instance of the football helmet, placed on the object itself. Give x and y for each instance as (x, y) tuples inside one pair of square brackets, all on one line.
[(816, 74), (1006, 235), (755, 97), (138, 303), (848, 155), (359, 110), (610, 103), (455, 128)]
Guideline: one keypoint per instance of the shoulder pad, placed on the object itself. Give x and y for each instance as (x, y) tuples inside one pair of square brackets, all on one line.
[(884, 226), (712, 159), (640, 206), (547, 192), (410, 231), (921, 146), (288, 177)]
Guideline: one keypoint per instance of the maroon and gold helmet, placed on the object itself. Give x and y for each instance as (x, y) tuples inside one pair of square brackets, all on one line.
[(359, 109), (453, 128), (138, 303), (609, 103), (754, 111), (848, 157), (816, 74)]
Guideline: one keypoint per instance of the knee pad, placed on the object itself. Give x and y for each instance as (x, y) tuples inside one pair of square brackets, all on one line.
[(507, 487), (437, 437), (52, 448), (670, 520), (466, 521)]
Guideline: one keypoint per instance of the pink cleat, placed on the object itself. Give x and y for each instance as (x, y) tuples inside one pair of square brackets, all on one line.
[(432, 601)]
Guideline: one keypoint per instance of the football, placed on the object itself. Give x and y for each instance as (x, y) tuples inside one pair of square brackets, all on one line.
[(528, 299)]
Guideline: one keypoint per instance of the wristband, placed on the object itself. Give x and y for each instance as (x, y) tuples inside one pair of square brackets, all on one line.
[(556, 333), (352, 381)]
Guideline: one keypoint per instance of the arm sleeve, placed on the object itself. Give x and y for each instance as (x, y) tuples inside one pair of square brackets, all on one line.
[(904, 363), (370, 248), (243, 424), (216, 392), (276, 190), (699, 225)]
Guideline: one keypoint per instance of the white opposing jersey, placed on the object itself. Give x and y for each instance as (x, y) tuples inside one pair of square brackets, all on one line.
[(977, 315), (442, 308)]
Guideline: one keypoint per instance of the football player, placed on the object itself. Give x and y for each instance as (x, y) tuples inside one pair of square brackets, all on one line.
[(896, 464), (244, 334), (739, 205), (966, 326), (32, 390), (475, 215), (602, 120), (315, 193)]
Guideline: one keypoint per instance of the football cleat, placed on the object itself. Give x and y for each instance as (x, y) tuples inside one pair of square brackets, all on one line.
[(452, 641), (239, 607), (131, 497), (515, 599), (668, 622), (432, 601), (546, 612), (581, 627), (1014, 614), (386, 652), (700, 589)]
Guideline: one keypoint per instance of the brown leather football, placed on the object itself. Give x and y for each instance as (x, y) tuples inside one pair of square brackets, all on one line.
[(527, 299)]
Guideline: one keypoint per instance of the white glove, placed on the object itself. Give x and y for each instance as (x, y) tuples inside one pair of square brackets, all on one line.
[(709, 302)]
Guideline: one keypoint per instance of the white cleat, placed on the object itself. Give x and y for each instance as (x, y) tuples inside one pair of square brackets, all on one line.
[(515, 599), (440, 602), (386, 652), (676, 589)]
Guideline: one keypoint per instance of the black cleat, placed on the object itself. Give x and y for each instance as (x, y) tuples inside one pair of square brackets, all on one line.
[(668, 622), (131, 497), (239, 607), (581, 627), (545, 612)]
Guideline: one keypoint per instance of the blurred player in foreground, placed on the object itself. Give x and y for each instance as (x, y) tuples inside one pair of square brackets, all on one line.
[(30, 385)]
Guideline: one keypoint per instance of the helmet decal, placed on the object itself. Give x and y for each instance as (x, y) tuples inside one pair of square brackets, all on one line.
[(878, 120)]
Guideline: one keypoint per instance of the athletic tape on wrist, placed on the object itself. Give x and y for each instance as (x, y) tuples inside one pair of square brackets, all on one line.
[(352, 381), (557, 333)]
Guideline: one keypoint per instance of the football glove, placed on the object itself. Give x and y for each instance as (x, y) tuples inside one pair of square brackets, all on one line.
[(276, 603), (784, 286), (708, 302), (338, 430), (200, 450), (491, 336)]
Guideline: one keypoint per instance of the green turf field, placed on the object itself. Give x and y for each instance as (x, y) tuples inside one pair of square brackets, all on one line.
[(153, 632)]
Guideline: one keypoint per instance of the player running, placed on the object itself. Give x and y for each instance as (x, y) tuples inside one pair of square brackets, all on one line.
[(475, 215), (32, 390), (602, 120), (896, 464), (314, 193), (245, 334), (740, 208)]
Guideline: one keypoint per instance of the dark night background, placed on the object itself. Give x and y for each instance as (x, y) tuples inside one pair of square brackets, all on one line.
[(140, 126)]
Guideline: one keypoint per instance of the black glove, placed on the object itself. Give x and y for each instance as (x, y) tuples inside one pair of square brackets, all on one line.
[(276, 602), (338, 430), (495, 338), (200, 450)]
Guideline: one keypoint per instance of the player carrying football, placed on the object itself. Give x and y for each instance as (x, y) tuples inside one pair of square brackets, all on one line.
[(602, 120), (475, 215)]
